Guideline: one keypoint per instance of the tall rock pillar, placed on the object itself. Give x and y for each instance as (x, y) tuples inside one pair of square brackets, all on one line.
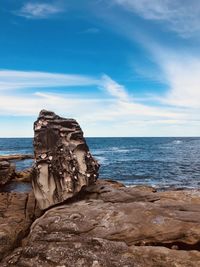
[(63, 163)]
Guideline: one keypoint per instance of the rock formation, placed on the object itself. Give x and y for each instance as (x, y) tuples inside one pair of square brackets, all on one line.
[(114, 226), (16, 157), (17, 212), (6, 172), (23, 176), (64, 164), (105, 225)]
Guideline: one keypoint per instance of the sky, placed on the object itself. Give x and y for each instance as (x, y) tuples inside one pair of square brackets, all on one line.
[(119, 67)]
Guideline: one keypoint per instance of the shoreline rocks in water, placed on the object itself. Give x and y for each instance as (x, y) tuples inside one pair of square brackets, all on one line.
[(6, 172), (24, 176), (64, 164), (16, 157), (8, 169)]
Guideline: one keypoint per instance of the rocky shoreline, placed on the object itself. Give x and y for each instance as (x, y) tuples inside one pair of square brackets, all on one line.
[(107, 224), (16, 157), (72, 219)]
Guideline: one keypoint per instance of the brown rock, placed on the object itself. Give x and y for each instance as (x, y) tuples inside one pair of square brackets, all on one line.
[(24, 176), (6, 172), (64, 164), (116, 226), (17, 212), (111, 191), (163, 257), (16, 157)]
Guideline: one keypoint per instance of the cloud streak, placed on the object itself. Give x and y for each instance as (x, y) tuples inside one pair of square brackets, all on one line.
[(179, 16), (39, 10), (184, 82), (114, 107), (12, 79), (113, 88), (179, 69), (115, 95)]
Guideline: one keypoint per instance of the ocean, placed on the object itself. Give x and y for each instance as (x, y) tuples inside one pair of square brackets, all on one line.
[(159, 162)]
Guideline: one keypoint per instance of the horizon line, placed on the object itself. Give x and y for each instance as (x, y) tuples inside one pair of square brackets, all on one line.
[(29, 137)]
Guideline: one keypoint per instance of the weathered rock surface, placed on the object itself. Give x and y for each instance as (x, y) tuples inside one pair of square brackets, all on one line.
[(6, 172), (111, 225), (24, 176), (64, 164), (16, 157), (17, 212)]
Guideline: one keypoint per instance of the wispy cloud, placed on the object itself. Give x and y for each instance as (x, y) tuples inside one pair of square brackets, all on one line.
[(39, 10), (178, 69), (12, 79), (114, 107), (179, 16), (30, 104), (114, 92), (113, 88), (183, 76)]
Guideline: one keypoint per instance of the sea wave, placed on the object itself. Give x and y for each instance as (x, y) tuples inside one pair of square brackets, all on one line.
[(177, 142)]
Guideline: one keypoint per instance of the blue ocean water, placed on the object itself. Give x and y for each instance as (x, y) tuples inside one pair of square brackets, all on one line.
[(159, 162)]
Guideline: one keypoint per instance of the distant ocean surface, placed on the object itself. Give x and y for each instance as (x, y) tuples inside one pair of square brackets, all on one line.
[(160, 162)]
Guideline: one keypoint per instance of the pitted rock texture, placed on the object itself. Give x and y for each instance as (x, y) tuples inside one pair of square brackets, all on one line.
[(6, 172), (64, 164), (114, 226)]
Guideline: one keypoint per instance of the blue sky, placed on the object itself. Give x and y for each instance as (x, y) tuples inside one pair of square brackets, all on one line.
[(120, 67)]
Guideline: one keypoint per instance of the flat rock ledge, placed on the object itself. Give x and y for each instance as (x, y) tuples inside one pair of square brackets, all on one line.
[(109, 225), (16, 157)]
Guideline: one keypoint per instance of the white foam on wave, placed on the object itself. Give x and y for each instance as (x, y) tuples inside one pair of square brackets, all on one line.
[(123, 150), (102, 160), (177, 142), (97, 152)]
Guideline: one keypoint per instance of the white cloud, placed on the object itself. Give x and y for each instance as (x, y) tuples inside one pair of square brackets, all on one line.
[(113, 88), (11, 79), (39, 10), (183, 75), (108, 108), (29, 105), (112, 114), (178, 69), (179, 16)]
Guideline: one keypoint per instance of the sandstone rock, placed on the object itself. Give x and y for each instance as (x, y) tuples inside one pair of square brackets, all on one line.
[(112, 225), (6, 172), (17, 212), (64, 164), (24, 176), (97, 252), (16, 157), (163, 257), (111, 191)]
